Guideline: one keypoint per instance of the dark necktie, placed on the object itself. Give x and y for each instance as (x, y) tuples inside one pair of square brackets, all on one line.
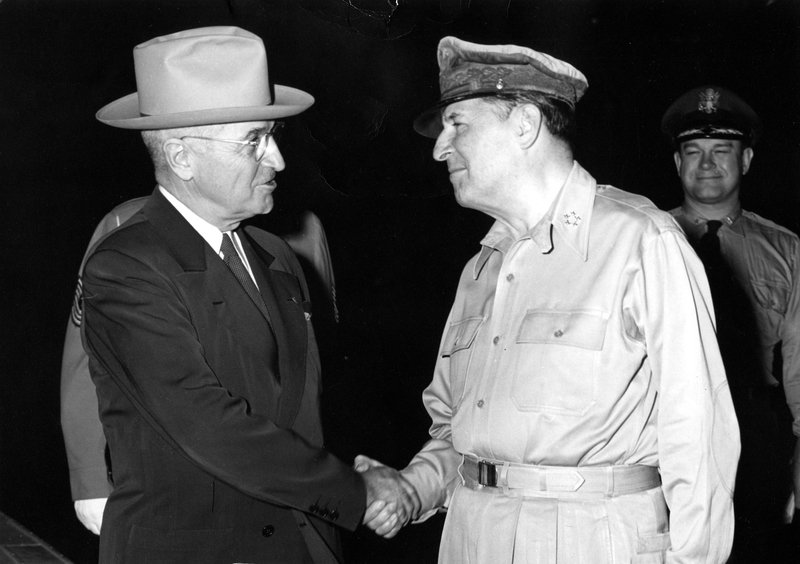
[(708, 248), (736, 329), (234, 262)]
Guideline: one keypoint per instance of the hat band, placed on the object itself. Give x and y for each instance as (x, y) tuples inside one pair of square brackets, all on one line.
[(711, 133), (477, 81)]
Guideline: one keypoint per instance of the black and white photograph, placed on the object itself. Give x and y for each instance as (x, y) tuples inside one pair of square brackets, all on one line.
[(400, 281)]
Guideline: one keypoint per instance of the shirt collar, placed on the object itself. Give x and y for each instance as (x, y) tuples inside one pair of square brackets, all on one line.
[(571, 214), (211, 234), (569, 217), (731, 220)]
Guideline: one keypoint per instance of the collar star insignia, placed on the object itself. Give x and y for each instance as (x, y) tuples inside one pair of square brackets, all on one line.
[(572, 219)]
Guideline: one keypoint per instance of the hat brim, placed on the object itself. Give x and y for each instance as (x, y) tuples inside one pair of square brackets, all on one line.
[(429, 122), (124, 112)]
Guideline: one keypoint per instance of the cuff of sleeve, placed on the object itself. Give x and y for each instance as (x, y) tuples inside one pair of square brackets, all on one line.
[(432, 494), (89, 483)]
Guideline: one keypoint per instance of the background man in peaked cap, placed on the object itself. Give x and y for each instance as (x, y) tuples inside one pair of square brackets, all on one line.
[(753, 267), (199, 334), (577, 415)]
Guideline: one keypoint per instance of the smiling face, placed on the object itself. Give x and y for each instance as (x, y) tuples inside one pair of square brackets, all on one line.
[(477, 145), (711, 170), (232, 182)]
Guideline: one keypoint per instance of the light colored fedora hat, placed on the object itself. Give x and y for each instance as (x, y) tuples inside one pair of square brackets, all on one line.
[(202, 76)]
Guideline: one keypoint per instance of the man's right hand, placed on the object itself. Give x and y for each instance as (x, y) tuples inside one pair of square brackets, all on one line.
[(391, 500), (90, 513)]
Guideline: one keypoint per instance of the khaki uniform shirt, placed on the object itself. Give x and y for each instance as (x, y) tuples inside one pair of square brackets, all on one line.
[(588, 341), (765, 258)]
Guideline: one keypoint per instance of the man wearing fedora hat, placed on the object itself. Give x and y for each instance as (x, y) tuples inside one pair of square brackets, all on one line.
[(579, 403), (753, 267), (84, 442), (198, 331)]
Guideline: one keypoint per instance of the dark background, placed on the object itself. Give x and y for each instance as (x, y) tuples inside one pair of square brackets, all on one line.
[(397, 238)]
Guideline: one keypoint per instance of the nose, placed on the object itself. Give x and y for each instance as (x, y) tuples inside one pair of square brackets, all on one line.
[(707, 161), (272, 156), (442, 148)]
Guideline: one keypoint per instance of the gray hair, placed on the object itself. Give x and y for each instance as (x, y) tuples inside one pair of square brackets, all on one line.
[(559, 117), (154, 140)]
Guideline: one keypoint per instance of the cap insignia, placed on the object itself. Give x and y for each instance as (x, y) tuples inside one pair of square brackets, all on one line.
[(709, 99)]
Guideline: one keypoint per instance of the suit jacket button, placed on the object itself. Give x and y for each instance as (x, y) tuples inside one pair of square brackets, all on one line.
[(268, 531), (334, 515)]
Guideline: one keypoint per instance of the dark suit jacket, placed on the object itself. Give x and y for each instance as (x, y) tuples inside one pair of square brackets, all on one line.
[(209, 408)]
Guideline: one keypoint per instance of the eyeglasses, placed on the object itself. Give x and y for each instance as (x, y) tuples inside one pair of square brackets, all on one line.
[(259, 144)]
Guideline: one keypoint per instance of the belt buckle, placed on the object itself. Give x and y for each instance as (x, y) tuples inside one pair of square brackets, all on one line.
[(487, 474)]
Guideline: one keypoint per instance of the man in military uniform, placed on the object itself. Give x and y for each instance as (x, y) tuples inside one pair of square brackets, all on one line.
[(753, 267), (576, 416)]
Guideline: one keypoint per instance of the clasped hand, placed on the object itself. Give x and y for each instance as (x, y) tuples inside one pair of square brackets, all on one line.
[(391, 500)]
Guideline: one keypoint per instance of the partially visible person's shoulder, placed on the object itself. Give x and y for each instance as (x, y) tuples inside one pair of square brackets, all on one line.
[(112, 221), (117, 216), (268, 241), (124, 211), (676, 212), (769, 228), (633, 207), (275, 246), (127, 233)]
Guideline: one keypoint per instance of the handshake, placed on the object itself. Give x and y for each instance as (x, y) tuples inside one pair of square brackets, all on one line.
[(391, 500)]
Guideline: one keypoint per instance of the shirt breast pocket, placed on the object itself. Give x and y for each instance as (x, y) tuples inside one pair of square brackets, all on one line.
[(771, 295), (458, 348), (558, 353)]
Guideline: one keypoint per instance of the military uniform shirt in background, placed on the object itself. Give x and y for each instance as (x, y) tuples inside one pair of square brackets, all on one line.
[(588, 341), (765, 259)]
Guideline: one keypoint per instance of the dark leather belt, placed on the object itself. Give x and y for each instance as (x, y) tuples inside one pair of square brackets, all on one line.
[(607, 480)]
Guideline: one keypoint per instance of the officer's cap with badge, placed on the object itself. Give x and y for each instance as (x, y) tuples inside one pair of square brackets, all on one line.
[(711, 112), (470, 70)]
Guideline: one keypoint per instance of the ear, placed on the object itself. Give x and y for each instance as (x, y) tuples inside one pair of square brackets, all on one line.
[(178, 158), (677, 158), (747, 158), (529, 124)]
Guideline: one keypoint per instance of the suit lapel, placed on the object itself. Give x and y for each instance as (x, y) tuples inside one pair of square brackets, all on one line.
[(281, 291), (184, 243), (283, 298)]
